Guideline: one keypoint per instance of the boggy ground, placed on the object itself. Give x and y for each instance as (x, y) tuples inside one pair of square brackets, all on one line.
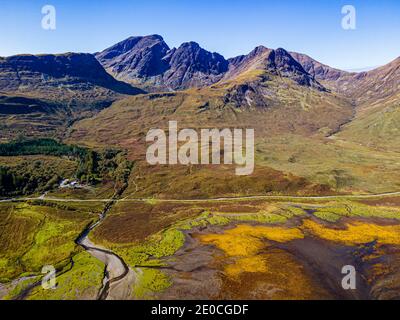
[(231, 249), (303, 261), (258, 249)]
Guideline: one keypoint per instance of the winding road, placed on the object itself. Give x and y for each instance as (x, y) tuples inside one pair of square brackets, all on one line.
[(264, 197)]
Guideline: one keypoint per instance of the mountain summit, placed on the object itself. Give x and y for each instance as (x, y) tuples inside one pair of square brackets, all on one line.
[(277, 62), (135, 58)]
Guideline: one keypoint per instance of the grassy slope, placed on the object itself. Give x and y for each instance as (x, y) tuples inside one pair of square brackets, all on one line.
[(308, 115), (343, 165), (288, 108), (376, 125), (34, 235), (376, 95), (69, 285), (290, 138)]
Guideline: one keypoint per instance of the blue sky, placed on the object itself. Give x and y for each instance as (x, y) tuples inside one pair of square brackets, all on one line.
[(230, 27)]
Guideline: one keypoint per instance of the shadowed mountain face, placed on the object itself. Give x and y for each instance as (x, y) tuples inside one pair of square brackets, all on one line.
[(43, 94), (61, 77), (135, 57), (192, 66), (21, 105)]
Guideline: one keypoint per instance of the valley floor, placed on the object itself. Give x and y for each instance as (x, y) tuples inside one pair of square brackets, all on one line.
[(260, 248)]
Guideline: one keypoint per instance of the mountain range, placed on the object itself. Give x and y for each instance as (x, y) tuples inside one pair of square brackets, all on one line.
[(149, 62), (114, 96)]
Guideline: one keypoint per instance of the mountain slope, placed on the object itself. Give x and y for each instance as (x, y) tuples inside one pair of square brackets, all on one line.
[(318, 70), (135, 58), (192, 66), (375, 86), (266, 89), (148, 62), (65, 76), (41, 94), (377, 95), (274, 62)]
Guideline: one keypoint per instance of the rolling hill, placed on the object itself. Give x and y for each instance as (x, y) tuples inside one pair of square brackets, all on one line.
[(41, 94)]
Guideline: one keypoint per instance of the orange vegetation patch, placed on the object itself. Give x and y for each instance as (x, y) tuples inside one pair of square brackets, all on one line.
[(245, 240), (256, 274), (355, 233), (273, 275)]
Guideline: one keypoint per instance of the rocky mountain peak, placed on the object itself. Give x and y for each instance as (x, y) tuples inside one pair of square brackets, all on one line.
[(135, 57), (196, 59)]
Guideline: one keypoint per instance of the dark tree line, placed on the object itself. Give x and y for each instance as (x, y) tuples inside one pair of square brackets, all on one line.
[(38, 176), (43, 147)]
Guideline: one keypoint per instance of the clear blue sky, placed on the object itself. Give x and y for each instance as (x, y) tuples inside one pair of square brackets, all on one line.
[(229, 27)]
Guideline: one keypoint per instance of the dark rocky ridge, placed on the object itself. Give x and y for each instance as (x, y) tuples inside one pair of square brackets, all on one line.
[(192, 66), (62, 77), (136, 57), (41, 95), (148, 61), (282, 63)]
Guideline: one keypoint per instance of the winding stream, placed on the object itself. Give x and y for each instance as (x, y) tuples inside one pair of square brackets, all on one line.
[(116, 268)]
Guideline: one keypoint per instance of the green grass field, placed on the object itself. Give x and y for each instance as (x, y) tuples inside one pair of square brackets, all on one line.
[(36, 235)]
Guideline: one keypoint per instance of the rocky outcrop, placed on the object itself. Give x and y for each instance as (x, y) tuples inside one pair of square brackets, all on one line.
[(136, 57), (192, 66)]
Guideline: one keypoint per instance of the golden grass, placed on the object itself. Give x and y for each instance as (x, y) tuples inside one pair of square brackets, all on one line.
[(247, 264), (355, 233), (245, 240)]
